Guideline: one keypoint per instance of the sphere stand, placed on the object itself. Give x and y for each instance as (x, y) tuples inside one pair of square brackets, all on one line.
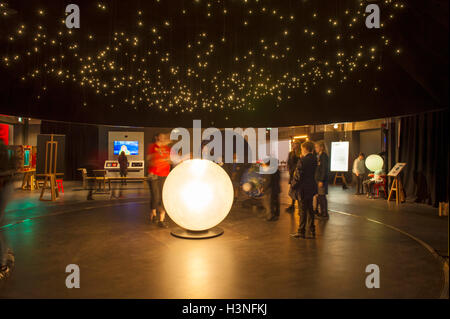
[(190, 234)]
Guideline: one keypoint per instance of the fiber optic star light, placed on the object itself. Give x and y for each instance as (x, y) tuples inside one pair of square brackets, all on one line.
[(198, 195)]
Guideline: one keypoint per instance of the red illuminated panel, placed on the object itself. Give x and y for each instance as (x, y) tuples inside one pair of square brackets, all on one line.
[(4, 133)]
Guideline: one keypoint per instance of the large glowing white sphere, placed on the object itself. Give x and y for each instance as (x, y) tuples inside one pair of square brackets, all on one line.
[(198, 194), (374, 162)]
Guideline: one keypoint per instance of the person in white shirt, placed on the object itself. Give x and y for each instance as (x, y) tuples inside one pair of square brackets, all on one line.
[(359, 172)]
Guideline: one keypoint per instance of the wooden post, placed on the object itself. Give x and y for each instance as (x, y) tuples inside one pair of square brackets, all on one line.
[(397, 187), (51, 152)]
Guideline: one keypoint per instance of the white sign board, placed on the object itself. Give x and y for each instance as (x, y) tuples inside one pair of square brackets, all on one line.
[(396, 169), (339, 156)]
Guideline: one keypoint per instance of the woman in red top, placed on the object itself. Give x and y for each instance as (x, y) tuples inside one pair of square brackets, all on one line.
[(158, 157)]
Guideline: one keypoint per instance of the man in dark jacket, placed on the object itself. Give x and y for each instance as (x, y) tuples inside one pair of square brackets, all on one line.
[(322, 179), (291, 165), (305, 187)]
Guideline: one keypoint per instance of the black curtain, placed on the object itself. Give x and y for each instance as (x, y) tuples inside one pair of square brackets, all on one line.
[(424, 146), (81, 144)]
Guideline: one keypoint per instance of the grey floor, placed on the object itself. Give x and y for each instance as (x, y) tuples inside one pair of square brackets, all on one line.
[(122, 255)]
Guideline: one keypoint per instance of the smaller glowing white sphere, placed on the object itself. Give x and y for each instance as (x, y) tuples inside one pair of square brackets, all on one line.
[(198, 194), (247, 187), (374, 162)]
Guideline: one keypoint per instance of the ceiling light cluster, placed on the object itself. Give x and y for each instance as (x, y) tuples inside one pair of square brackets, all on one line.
[(259, 51)]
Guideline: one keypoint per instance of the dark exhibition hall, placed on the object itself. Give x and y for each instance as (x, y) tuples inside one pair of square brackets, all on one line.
[(224, 158)]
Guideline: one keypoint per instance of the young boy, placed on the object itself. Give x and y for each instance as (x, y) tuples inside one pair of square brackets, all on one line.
[(368, 184)]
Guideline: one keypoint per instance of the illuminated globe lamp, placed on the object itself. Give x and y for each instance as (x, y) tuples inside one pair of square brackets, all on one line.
[(198, 195), (374, 162)]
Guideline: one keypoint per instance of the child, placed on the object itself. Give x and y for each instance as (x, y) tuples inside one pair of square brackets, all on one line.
[(368, 184)]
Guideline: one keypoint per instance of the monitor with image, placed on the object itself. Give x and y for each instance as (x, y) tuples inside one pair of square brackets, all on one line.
[(129, 147)]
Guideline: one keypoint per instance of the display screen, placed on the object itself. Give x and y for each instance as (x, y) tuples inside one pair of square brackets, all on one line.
[(26, 158), (129, 147), (339, 156)]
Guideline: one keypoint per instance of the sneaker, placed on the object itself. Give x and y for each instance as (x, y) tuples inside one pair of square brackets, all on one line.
[(298, 235), (162, 224), (290, 209)]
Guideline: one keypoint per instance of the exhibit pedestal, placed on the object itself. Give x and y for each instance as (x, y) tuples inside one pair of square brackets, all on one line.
[(204, 234)]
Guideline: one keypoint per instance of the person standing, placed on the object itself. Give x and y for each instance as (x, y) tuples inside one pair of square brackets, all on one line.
[(91, 166), (7, 170), (321, 177), (123, 165), (291, 164), (359, 172), (235, 172), (158, 158), (271, 197), (305, 187)]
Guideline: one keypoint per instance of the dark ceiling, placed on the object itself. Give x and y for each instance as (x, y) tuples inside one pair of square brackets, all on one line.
[(229, 63)]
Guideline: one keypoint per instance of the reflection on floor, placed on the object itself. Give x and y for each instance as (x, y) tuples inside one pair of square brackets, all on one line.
[(122, 255)]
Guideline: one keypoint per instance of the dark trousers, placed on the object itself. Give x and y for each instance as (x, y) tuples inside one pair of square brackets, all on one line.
[(368, 186), (271, 204), (156, 184), (123, 173), (91, 186), (323, 204), (293, 202), (359, 183), (306, 216)]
